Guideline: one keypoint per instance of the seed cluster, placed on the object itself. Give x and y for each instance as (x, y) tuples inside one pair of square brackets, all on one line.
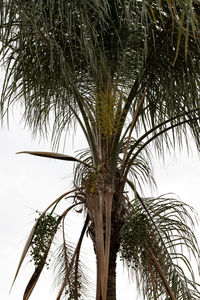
[(135, 234), (46, 228)]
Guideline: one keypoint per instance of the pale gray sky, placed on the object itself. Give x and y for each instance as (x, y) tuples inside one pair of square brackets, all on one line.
[(30, 183)]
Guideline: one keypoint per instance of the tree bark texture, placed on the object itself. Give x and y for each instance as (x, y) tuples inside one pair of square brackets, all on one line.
[(117, 221), (111, 290)]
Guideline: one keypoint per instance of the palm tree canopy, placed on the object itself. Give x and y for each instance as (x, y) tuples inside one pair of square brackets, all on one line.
[(62, 54)]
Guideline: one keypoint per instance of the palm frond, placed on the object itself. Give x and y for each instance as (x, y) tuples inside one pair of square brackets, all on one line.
[(155, 241), (53, 155), (164, 135), (41, 227), (70, 271), (140, 170)]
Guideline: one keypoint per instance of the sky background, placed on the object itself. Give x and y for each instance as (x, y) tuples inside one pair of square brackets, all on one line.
[(30, 183)]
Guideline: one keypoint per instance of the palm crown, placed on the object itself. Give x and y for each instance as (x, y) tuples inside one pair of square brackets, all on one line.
[(128, 73)]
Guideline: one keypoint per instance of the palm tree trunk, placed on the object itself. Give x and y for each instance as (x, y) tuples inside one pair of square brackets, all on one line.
[(111, 290), (117, 223)]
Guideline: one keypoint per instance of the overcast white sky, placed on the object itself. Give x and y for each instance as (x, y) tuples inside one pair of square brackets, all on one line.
[(30, 183)]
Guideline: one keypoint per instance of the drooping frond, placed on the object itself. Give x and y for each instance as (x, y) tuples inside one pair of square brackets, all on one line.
[(157, 236), (40, 239), (70, 270)]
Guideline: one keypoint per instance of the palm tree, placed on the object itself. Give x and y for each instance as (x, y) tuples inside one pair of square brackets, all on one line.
[(127, 72)]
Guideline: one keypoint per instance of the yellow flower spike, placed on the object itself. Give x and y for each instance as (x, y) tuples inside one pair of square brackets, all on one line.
[(106, 112)]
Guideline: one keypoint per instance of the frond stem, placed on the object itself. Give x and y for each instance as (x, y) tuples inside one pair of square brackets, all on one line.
[(162, 274), (150, 140), (69, 208), (132, 125)]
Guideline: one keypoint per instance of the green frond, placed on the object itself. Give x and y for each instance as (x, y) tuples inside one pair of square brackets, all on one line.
[(168, 135), (80, 171), (156, 238), (141, 170)]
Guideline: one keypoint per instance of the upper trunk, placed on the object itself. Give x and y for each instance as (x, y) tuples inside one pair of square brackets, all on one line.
[(117, 220)]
